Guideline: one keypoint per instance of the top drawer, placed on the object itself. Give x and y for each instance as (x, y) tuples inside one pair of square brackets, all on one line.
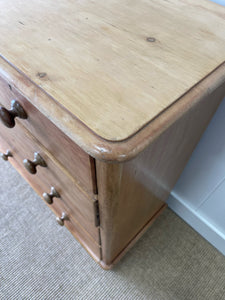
[(71, 157)]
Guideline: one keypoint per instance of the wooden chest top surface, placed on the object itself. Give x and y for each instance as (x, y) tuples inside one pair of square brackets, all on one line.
[(115, 65)]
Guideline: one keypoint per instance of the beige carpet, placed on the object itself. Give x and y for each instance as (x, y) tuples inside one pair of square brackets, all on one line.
[(40, 260)]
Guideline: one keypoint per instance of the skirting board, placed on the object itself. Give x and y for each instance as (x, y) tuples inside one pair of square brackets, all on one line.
[(204, 228)]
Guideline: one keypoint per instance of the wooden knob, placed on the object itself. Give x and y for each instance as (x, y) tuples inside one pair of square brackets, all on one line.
[(31, 165), (49, 197), (6, 155), (8, 116), (60, 220)]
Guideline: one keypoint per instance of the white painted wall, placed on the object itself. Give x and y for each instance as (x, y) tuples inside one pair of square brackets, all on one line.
[(222, 2)]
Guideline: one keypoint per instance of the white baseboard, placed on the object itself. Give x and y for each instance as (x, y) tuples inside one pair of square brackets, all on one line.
[(198, 223)]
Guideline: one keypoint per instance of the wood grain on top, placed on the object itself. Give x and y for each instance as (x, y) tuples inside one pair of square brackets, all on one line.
[(113, 64)]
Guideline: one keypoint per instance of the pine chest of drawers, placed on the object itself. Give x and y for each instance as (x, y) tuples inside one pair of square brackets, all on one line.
[(103, 104)]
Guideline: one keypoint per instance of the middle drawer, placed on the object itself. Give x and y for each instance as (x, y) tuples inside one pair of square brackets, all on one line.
[(23, 146)]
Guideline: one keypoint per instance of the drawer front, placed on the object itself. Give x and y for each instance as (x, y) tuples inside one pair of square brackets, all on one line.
[(23, 146), (59, 208), (71, 157)]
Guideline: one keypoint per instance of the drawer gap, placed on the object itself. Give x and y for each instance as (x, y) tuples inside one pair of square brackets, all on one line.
[(93, 175)]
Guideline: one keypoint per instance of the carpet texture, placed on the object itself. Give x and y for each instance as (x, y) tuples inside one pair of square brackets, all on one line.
[(41, 260)]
